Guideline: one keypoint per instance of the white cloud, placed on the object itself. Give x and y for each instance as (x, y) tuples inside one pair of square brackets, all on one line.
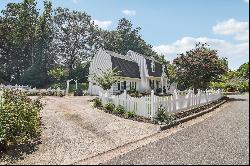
[(240, 30), (247, 1), (234, 52), (76, 1), (129, 12), (104, 24)]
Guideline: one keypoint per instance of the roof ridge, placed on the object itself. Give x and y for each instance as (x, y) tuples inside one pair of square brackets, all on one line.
[(146, 57), (117, 55)]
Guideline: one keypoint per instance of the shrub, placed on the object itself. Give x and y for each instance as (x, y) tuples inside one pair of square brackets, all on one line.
[(163, 116), (19, 118), (131, 91), (78, 92), (158, 90), (97, 103), (58, 85), (130, 114), (109, 107), (134, 93), (119, 110)]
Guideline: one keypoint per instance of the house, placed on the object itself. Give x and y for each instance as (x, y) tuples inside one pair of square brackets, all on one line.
[(136, 72)]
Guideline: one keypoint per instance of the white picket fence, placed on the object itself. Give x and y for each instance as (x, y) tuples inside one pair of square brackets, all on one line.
[(32, 91), (2, 86), (147, 106)]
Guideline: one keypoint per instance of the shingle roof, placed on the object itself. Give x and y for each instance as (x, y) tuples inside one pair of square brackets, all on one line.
[(127, 68), (158, 68)]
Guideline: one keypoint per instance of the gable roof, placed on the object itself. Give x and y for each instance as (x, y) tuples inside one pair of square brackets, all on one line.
[(124, 64), (158, 68), (129, 68)]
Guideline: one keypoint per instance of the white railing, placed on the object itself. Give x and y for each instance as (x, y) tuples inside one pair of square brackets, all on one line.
[(147, 106), (2, 86)]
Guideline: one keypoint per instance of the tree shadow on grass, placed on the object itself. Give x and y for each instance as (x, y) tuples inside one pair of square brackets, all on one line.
[(17, 152)]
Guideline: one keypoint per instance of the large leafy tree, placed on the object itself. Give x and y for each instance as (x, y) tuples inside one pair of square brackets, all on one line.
[(18, 25), (76, 38), (36, 75), (234, 80), (126, 38), (244, 70), (197, 67)]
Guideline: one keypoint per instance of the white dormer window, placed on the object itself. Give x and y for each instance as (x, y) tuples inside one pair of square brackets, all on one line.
[(153, 66)]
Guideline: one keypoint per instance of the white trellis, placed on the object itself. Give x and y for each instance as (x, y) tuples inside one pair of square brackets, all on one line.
[(67, 89)]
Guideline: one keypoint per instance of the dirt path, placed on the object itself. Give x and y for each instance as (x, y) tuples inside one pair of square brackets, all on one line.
[(73, 130)]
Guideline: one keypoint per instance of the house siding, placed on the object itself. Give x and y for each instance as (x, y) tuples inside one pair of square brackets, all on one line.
[(135, 69)]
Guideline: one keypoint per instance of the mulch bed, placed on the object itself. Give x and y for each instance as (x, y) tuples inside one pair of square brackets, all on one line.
[(185, 113), (176, 116), (135, 118)]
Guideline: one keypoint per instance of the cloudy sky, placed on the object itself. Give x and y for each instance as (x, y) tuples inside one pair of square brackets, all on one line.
[(174, 26)]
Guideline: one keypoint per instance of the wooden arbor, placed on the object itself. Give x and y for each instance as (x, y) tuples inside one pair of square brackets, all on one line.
[(67, 89)]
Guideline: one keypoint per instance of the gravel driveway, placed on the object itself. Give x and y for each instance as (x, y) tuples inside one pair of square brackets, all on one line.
[(73, 131), (220, 140)]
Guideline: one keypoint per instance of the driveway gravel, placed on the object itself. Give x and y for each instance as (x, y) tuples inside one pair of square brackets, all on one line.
[(73, 130), (220, 139)]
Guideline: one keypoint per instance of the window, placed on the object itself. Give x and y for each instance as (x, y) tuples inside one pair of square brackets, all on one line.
[(153, 66), (119, 85), (124, 84), (151, 84), (157, 84)]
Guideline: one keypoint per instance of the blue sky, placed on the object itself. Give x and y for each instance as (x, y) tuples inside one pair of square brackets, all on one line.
[(173, 26)]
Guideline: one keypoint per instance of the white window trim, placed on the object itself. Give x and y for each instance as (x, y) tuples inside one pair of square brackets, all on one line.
[(153, 66)]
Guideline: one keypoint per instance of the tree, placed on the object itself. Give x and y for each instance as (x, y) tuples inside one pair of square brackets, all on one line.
[(57, 74), (17, 28), (126, 38), (197, 67), (36, 75), (81, 72), (107, 78), (244, 70), (234, 80), (75, 37)]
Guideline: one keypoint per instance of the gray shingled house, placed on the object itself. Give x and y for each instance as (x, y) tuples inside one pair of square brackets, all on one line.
[(136, 72)]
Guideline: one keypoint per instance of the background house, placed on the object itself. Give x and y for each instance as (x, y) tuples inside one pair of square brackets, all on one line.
[(136, 72)]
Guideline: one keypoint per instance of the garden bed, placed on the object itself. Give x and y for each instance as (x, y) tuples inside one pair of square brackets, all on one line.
[(198, 109), (172, 118)]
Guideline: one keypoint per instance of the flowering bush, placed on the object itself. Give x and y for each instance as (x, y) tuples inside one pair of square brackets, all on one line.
[(19, 118)]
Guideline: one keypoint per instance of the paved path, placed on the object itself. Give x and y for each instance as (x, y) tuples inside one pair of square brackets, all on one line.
[(220, 139)]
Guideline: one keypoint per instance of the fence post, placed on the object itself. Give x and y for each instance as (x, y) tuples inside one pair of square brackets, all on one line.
[(199, 97), (206, 95), (152, 106), (189, 98), (219, 93), (126, 100), (174, 100)]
